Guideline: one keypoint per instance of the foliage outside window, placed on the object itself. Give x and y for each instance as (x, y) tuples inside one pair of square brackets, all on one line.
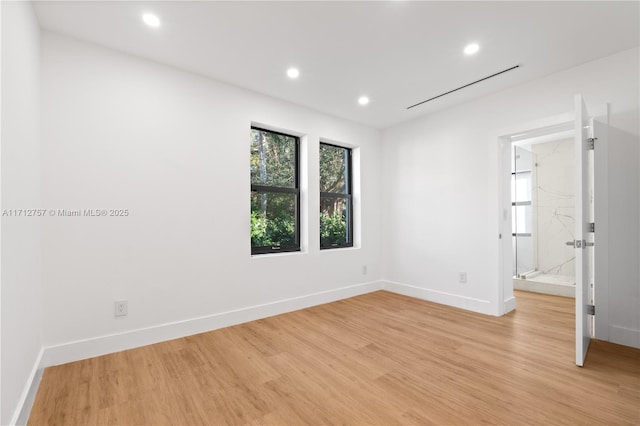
[(336, 204), (275, 194)]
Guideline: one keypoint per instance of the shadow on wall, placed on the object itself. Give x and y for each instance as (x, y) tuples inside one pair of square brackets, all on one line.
[(624, 222)]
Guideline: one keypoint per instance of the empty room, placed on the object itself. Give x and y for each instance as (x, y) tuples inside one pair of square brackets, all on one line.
[(291, 213)]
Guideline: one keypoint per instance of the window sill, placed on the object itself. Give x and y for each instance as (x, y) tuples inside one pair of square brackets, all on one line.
[(284, 253), (330, 250)]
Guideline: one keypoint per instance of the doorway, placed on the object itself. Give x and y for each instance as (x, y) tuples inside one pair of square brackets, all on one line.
[(591, 183), (542, 213)]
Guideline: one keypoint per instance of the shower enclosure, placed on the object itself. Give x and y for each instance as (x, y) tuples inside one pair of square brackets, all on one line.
[(521, 212), (542, 217)]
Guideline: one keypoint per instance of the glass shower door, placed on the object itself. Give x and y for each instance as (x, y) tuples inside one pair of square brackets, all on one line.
[(522, 211)]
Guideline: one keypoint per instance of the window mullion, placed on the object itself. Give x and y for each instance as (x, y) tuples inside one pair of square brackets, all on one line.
[(274, 189)]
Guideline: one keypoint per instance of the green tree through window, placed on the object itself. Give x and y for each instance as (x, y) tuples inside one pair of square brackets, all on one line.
[(336, 204), (275, 194)]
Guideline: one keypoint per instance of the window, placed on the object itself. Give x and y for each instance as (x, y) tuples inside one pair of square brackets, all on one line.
[(275, 193), (336, 203)]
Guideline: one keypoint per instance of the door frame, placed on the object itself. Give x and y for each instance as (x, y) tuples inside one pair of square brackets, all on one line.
[(546, 126)]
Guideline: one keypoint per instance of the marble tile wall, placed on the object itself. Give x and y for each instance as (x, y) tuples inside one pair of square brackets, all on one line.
[(554, 206)]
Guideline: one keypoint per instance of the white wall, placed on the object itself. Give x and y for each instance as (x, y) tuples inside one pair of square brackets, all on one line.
[(441, 186), (21, 292), (173, 148)]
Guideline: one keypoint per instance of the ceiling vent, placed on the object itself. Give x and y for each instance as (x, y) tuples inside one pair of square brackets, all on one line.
[(466, 85)]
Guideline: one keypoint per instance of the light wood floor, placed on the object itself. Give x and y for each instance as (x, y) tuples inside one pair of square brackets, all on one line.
[(380, 358)]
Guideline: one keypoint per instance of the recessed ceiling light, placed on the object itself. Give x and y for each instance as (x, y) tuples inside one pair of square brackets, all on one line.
[(363, 100), (472, 48), (293, 73), (151, 20)]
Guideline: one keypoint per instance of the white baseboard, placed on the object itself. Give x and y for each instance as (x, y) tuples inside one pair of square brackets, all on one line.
[(463, 302), (624, 336), (563, 290), (509, 305), (102, 345), (28, 396)]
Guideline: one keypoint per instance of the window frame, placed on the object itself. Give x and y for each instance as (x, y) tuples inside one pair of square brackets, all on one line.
[(348, 197), (255, 250)]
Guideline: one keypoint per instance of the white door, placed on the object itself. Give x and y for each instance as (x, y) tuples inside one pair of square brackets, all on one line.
[(584, 240)]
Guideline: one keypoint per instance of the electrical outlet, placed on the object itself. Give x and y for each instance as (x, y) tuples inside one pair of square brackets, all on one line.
[(122, 308), (462, 277), (364, 269)]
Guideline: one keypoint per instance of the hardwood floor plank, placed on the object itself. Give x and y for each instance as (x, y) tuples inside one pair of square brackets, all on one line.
[(376, 359)]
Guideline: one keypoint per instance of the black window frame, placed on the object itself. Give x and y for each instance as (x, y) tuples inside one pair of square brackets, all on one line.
[(282, 190), (348, 197)]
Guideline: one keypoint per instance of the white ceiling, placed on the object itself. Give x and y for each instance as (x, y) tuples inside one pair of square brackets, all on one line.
[(396, 52)]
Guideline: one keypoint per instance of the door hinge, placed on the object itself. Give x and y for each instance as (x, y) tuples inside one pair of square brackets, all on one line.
[(591, 227), (591, 143), (591, 309)]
